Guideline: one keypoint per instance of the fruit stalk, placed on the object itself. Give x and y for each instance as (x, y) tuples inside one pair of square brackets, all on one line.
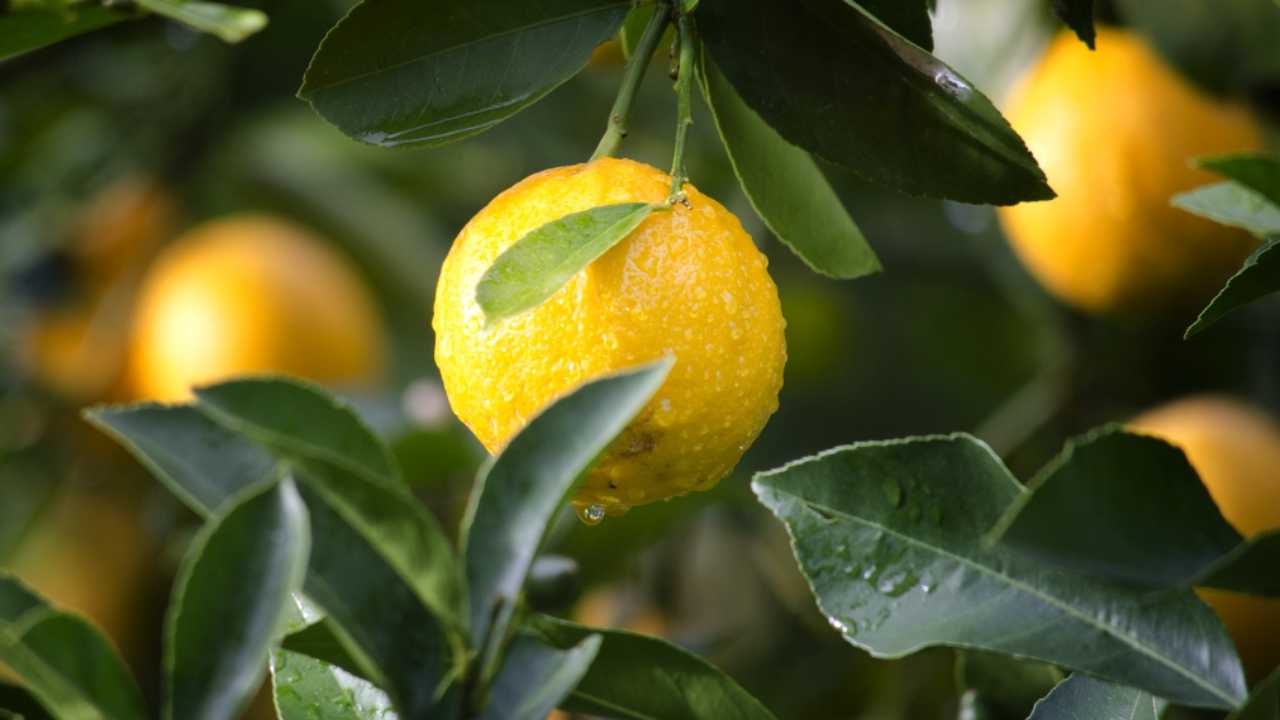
[(684, 103), (632, 75)]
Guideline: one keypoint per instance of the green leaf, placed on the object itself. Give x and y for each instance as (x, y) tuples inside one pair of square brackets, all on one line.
[(1263, 703), (1089, 511), (535, 677), (230, 24), (1257, 278), (308, 689), (18, 704), (644, 678), (298, 419), (1232, 204), (1006, 684), (321, 641), (1257, 171), (1249, 568), (530, 271), (1081, 696), (202, 463), (1078, 15), (518, 492), (908, 18), (891, 538), (232, 595), (836, 82), (447, 70), (786, 187), (27, 30), (63, 660)]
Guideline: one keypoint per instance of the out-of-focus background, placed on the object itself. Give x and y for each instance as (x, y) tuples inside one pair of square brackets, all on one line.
[(146, 166)]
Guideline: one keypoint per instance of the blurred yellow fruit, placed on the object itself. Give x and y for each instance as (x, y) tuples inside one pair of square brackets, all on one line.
[(251, 294), (1115, 131), (609, 607), (1236, 450), (687, 283), (608, 54), (122, 226)]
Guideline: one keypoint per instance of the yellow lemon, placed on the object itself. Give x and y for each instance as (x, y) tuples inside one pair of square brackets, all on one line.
[(687, 283), (251, 294), (1235, 448), (1114, 131)]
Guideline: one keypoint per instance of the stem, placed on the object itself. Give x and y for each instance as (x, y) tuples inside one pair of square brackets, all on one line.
[(631, 77), (684, 103)]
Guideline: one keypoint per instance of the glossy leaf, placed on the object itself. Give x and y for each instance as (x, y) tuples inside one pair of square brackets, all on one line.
[(308, 689), (1259, 172), (63, 660), (519, 491), (535, 677), (1263, 703), (834, 81), (1089, 511), (229, 23), (1232, 204), (300, 420), (202, 463), (232, 595), (1081, 696), (1256, 279), (909, 18), (786, 187), (1078, 15), (1249, 568), (891, 538), (321, 641), (22, 32), (443, 71), (640, 677), (540, 263)]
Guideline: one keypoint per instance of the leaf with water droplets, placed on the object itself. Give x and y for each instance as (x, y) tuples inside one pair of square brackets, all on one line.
[(308, 689)]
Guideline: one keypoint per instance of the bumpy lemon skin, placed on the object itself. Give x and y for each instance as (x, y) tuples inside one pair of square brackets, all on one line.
[(252, 294), (1235, 448), (687, 282), (1115, 131)]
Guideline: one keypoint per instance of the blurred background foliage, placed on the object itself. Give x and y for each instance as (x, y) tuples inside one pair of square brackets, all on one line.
[(113, 144)]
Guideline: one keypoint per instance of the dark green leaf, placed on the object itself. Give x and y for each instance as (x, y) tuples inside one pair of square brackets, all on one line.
[(298, 419), (535, 677), (1007, 684), (308, 689), (1078, 15), (1263, 703), (29, 30), (786, 187), (834, 81), (1232, 204), (1081, 696), (908, 18), (1257, 171), (231, 24), (519, 491), (1249, 568), (443, 71), (541, 262), (890, 536), (202, 463), (321, 641), (1089, 511), (231, 597), (17, 703), (1257, 278), (63, 660), (643, 678)]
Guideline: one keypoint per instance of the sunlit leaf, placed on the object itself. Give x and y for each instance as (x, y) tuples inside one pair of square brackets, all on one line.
[(229, 23), (1232, 204), (308, 689), (1081, 696), (1259, 172)]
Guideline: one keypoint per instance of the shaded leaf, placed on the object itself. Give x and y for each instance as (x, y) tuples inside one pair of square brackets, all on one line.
[(890, 537), (1078, 15), (786, 187), (1081, 696), (541, 262), (443, 71), (1263, 703), (1259, 172), (18, 704), (22, 32), (320, 641), (834, 81), (519, 491), (1248, 568), (308, 689), (232, 594), (639, 677), (1232, 204), (535, 677), (1257, 278), (229, 23), (908, 18), (1007, 684)]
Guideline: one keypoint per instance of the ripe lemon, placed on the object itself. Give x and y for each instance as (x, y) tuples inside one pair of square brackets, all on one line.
[(1114, 131), (688, 283), (251, 294), (1235, 448)]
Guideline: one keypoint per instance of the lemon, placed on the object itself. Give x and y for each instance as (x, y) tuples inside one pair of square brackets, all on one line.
[(251, 294), (1115, 131), (1235, 448), (687, 282)]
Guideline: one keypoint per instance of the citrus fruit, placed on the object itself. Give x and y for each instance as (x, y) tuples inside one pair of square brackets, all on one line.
[(251, 294), (687, 282), (1235, 448), (1115, 131)]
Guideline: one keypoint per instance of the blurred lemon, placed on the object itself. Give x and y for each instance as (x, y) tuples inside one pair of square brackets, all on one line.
[(608, 54), (251, 294), (1235, 448), (1114, 131), (610, 607), (687, 282)]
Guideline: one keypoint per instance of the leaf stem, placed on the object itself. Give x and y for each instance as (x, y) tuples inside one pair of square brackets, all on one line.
[(631, 77), (684, 102)]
